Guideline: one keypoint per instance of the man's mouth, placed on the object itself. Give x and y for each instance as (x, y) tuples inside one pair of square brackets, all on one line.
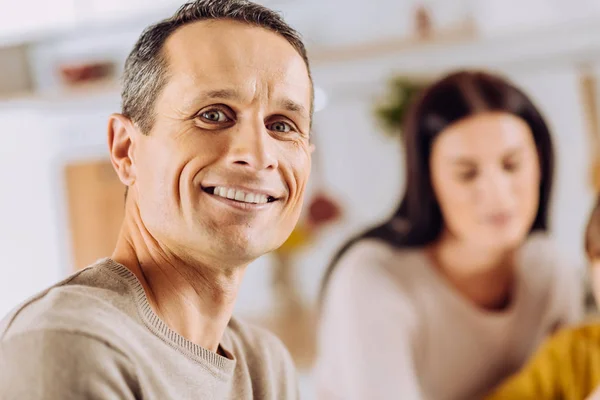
[(241, 196)]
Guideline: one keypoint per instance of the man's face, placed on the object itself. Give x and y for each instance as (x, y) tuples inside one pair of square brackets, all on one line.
[(222, 174)]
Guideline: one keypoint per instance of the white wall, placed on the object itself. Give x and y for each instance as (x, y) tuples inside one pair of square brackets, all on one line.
[(38, 138), (29, 242), (557, 93), (510, 16)]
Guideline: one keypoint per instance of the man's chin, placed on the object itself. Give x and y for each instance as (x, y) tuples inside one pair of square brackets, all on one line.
[(243, 253), (232, 244)]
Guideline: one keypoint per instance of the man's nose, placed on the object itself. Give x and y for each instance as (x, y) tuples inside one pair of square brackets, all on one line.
[(253, 147)]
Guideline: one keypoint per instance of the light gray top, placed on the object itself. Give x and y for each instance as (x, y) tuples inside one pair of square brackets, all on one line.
[(95, 336)]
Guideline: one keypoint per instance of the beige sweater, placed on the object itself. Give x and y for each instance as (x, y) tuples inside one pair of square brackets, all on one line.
[(392, 328), (94, 336)]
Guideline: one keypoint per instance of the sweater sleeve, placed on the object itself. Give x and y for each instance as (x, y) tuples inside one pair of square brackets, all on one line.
[(366, 334), (63, 365)]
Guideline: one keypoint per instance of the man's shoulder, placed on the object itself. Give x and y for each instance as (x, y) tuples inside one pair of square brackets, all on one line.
[(87, 301), (255, 340), (58, 363), (263, 358), (72, 330)]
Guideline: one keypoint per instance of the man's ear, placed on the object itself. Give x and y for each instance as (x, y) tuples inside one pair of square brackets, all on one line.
[(121, 137)]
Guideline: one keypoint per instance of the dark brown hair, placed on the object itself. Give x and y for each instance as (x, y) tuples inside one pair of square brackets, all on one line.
[(592, 233), (418, 220), (146, 69)]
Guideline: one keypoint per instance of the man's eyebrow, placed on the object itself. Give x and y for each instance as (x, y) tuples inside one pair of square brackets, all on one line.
[(295, 107), (225, 94), (212, 94)]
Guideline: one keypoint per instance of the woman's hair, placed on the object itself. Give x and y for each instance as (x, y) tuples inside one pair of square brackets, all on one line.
[(592, 233), (418, 220)]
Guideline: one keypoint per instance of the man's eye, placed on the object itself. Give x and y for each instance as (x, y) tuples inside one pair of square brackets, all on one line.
[(280, 127), (214, 116)]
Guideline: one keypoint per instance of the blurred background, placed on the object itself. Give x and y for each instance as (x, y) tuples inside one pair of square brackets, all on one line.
[(60, 62)]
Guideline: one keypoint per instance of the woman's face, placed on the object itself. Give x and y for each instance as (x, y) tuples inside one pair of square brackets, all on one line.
[(485, 174)]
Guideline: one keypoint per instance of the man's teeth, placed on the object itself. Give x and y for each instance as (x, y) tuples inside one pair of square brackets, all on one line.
[(239, 195)]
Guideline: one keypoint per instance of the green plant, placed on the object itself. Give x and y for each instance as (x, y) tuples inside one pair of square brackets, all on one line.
[(392, 112)]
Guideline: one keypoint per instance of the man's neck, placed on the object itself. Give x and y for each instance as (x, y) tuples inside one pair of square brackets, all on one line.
[(195, 300)]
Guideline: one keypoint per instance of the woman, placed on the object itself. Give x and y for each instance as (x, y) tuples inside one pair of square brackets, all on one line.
[(457, 289)]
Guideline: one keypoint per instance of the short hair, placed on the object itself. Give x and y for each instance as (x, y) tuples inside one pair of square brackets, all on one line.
[(592, 233), (146, 68)]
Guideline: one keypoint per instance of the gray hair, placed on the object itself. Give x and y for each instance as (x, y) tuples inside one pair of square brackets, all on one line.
[(146, 68)]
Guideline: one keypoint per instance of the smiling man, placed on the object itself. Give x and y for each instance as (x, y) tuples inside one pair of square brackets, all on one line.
[(213, 145)]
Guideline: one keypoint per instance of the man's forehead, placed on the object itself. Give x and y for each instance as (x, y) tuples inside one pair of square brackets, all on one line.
[(258, 63), (223, 43)]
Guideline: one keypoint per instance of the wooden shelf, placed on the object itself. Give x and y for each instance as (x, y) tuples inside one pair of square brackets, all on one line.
[(448, 37), (370, 62)]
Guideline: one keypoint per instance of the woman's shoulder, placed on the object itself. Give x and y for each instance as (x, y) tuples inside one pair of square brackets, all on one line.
[(540, 243), (368, 250), (540, 254), (379, 255), (365, 280), (376, 263), (545, 267)]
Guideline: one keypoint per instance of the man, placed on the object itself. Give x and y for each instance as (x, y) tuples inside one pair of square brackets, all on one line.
[(213, 145)]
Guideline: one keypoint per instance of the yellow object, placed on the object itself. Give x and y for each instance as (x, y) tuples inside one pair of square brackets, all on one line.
[(566, 367), (596, 176), (299, 237)]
